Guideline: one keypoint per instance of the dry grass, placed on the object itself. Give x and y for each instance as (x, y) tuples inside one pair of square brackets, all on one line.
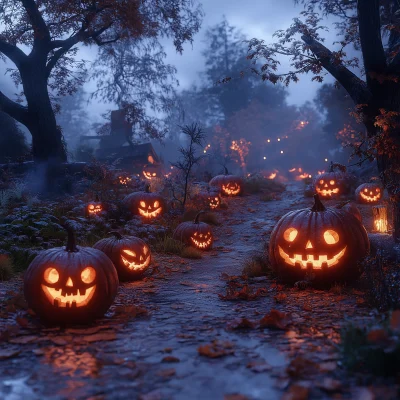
[(257, 265), (168, 245), (258, 184), (6, 268), (191, 252)]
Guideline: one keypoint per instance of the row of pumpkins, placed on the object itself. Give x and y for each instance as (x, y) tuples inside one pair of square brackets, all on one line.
[(79, 284), (336, 181)]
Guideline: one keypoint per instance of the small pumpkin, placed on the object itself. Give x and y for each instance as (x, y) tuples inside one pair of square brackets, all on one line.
[(70, 284), (147, 205), (333, 183), (197, 234), (210, 199), (326, 242), (95, 207), (130, 255), (228, 185), (369, 193), (124, 180)]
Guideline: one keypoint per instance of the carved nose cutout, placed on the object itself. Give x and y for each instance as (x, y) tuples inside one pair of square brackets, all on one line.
[(309, 245), (326, 185), (69, 282)]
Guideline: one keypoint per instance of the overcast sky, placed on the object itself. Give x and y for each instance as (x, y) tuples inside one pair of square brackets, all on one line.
[(255, 18)]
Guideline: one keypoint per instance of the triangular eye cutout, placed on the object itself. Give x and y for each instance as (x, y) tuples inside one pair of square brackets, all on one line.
[(309, 245)]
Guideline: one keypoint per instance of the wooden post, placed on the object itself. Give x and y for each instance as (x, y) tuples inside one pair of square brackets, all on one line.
[(380, 219)]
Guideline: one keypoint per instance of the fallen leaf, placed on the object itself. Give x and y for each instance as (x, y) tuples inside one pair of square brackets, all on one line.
[(330, 385), (377, 335), (5, 354), (395, 321), (258, 366), (301, 367), (100, 337), (170, 359), (165, 373), (275, 320), (296, 392), (23, 339), (216, 349)]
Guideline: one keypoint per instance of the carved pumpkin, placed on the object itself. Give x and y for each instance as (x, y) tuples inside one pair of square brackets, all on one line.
[(209, 199), (214, 201), (147, 205), (369, 193), (124, 180), (326, 242), (94, 207), (228, 185), (130, 255), (197, 234), (72, 284), (150, 172), (332, 183)]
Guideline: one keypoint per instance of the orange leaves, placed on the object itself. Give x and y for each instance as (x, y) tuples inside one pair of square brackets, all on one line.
[(235, 291), (216, 349), (275, 320)]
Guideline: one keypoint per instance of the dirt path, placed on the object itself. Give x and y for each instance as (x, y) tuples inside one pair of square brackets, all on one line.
[(149, 345)]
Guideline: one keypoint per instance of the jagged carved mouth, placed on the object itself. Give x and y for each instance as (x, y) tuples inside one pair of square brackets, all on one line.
[(134, 266), (149, 175), (370, 198), (232, 189), (95, 211), (150, 214), (78, 297), (316, 262), (327, 192), (204, 244)]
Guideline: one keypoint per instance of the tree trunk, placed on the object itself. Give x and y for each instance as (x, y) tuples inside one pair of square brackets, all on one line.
[(47, 143)]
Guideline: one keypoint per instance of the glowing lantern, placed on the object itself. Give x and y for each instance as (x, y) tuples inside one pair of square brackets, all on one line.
[(94, 207), (326, 242), (130, 255), (72, 284), (197, 234), (369, 193), (146, 204), (229, 185), (380, 219), (124, 180), (332, 183)]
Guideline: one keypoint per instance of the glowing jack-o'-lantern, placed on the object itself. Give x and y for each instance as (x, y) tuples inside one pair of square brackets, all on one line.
[(197, 234), (369, 193), (147, 205), (150, 172), (124, 180), (332, 183), (130, 255), (328, 242), (72, 284), (229, 185), (94, 207), (214, 201)]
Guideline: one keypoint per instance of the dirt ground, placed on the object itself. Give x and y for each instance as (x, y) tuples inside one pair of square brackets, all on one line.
[(194, 329)]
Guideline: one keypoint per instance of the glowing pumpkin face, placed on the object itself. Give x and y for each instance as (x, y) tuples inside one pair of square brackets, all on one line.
[(130, 255), (124, 180), (327, 242), (327, 188), (214, 202), (196, 234), (369, 193), (147, 205), (333, 183), (228, 185), (150, 172), (71, 284), (94, 209)]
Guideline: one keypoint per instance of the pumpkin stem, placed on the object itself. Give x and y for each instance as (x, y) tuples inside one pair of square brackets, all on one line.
[(226, 171), (318, 206), (196, 219), (116, 234), (71, 240), (147, 189)]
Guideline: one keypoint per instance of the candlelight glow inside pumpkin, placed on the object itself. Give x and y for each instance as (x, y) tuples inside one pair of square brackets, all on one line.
[(124, 180), (201, 241), (231, 189), (326, 189), (149, 175), (149, 210), (69, 296), (370, 196), (369, 193), (134, 261), (214, 202), (94, 208), (336, 181)]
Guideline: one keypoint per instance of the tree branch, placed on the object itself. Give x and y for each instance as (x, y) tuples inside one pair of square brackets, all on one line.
[(13, 109), (369, 21), (39, 25), (16, 55), (356, 88)]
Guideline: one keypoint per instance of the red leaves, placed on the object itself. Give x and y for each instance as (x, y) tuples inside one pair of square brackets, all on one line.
[(275, 320), (235, 291), (242, 323), (216, 349)]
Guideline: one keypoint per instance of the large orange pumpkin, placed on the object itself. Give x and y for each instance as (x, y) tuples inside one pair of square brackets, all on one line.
[(130, 255), (333, 183), (369, 193), (70, 285), (326, 243)]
